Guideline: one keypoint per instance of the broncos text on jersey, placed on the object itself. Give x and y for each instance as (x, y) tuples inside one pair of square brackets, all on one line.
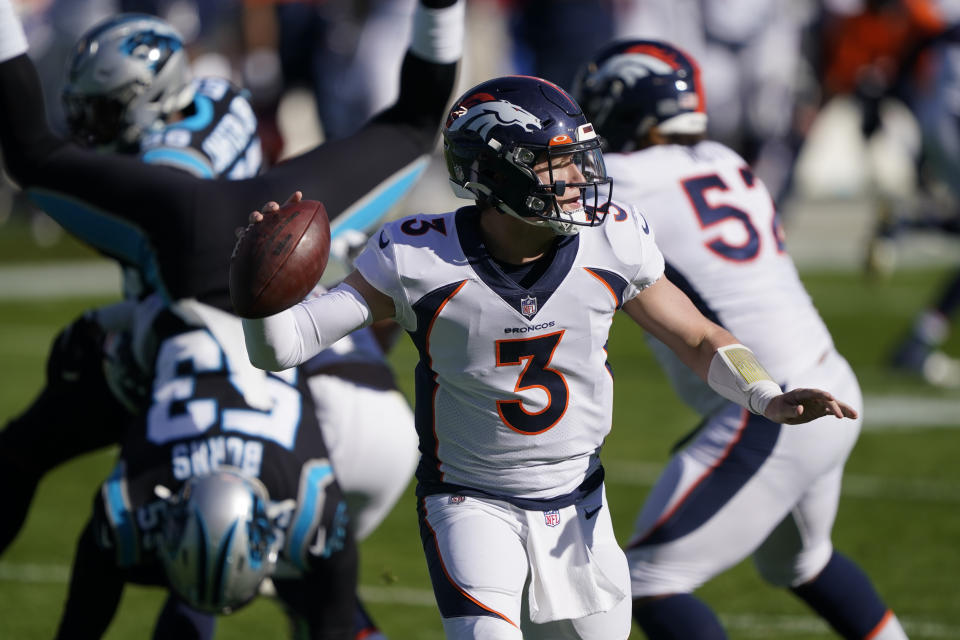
[(507, 373)]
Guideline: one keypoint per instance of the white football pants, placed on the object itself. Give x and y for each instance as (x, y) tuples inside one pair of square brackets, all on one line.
[(372, 443), (739, 488)]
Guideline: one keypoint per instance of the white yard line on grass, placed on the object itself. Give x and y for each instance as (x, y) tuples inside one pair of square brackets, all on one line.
[(762, 626), (82, 278), (746, 625), (34, 573), (100, 277), (644, 474), (907, 412)]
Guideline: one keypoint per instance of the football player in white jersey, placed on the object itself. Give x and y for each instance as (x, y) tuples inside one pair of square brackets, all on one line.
[(509, 303), (742, 484)]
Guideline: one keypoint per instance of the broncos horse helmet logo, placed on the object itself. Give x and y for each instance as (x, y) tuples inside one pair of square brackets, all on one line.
[(482, 112), (630, 67)]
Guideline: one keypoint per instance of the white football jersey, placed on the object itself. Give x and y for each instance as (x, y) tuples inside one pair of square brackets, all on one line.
[(718, 230), (514, 394)]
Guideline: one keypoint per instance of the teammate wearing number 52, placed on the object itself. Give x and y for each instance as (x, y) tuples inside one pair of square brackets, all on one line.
[(741, 485), (509, 303)]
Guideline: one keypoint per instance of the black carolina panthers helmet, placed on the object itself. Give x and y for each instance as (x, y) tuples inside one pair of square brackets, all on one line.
[(633, 85), (498, 130)]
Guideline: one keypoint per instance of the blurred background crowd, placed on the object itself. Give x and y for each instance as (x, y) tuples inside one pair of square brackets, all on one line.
[(847, 109)]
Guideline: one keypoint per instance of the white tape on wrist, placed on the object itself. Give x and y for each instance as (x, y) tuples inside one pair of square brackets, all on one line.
[(438, 33), (737, 375)]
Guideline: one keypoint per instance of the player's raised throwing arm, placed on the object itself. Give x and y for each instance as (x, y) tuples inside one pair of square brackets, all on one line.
[(298, 333), (729, 368)]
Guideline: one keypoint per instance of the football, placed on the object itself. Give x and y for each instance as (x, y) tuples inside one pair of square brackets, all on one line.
[(280, 259)]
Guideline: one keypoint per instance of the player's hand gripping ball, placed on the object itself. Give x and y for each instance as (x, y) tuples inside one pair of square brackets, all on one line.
[(278, 260)]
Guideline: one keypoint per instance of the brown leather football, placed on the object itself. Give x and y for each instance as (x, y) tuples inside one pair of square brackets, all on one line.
[(280, 259)]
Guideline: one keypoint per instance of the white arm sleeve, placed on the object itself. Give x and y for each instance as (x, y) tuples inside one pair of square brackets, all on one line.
[(737, 375), (438, 33), (295, 335), (13, 42)]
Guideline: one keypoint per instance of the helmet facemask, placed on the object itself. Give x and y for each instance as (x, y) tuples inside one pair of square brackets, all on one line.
[(535, 175), (548, 203)]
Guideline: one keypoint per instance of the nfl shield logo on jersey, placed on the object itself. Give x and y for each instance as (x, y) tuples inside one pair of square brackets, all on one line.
[(528, 306), (552, 517)]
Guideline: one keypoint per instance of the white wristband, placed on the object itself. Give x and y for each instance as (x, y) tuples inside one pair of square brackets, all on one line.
[(737, 375), (438, 33), (13, 42)]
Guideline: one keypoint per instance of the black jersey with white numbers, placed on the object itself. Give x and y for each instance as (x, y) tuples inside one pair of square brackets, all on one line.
[(210, 409), (217, 137)]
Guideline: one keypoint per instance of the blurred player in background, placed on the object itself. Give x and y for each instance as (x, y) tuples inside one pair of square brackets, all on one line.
[(759, 70), (908, 52), (931, 97), (353, 385), (509, 303), (549, 39), (740, 484)]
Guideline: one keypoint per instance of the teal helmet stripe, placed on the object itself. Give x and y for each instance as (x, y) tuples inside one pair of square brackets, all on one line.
[(308, 513), (202, 565), (222, 566), (121, 517)]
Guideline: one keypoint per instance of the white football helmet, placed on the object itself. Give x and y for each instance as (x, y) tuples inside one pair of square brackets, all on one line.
[(127, 74), (218, 541)]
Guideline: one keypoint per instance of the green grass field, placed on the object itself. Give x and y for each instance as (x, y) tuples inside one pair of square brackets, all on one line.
[(899, 515)]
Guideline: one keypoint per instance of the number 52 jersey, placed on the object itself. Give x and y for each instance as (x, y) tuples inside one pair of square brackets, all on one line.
[(724, 247), (513, 391)]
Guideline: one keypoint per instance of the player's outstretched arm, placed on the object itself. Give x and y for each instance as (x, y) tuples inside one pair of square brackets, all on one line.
[(390, 151), (429, 70), (358, 177), (730, 368), (803, 405), (24, 134), (61, 176)]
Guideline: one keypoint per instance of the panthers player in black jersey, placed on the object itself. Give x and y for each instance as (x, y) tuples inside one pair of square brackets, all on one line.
[(211, 412), (189, 132), (204, 127), (183, 248)]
